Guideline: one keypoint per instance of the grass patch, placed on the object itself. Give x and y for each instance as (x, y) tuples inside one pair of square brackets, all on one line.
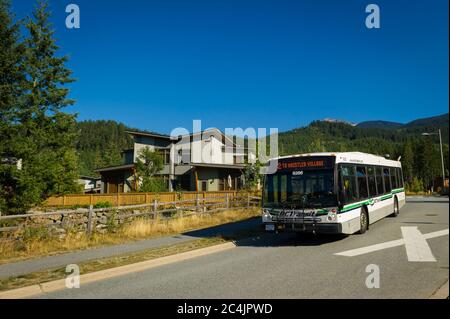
[(37, 244), (107, 263)]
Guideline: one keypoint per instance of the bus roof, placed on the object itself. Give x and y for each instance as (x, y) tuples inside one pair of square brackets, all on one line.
[(350, 157)]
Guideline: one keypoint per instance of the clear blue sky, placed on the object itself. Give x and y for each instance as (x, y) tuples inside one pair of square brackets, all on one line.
[(160, 64)]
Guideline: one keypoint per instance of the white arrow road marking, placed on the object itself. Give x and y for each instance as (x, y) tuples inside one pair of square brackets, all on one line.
[(388, 244), (416, 245)]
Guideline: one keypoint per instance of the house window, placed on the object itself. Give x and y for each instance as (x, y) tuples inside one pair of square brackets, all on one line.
[(204, 186)]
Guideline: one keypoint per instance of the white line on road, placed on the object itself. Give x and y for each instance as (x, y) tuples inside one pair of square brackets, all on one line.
[(388, 244), (416, 245)]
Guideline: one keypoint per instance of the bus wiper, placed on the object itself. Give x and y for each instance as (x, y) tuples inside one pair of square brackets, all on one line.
[(284, 204)]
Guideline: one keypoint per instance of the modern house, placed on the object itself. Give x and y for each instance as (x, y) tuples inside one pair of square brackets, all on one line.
[(204, 161), (90, 185)]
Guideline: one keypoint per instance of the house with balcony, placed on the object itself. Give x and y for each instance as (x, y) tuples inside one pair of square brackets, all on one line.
[(204, 161)]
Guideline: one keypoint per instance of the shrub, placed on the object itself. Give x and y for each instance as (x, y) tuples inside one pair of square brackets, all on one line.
[(103, 205), (416, 185), (153, 185)]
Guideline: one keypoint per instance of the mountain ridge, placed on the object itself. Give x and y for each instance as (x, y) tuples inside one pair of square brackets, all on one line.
[(438, 119)]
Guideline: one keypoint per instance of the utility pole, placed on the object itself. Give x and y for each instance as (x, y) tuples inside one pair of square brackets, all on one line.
[(442, 154)]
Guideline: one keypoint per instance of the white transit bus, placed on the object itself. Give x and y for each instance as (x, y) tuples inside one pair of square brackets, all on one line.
[(331, 192)]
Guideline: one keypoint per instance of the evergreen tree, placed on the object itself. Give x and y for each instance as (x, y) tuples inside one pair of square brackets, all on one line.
[(12, 78), (43, 134), (408, 161), (148, 164), (251, 175)]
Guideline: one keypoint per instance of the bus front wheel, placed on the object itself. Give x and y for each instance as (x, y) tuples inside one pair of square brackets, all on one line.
[(396, 209), (363, 221)]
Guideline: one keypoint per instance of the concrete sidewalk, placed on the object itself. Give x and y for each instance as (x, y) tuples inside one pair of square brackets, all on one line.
[(62, 260)]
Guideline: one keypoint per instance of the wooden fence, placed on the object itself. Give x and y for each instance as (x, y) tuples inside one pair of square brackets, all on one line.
[(196, 203), (123, 199)]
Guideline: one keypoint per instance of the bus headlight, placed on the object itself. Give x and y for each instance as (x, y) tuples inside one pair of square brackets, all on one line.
[(266, 217), (332, 217)]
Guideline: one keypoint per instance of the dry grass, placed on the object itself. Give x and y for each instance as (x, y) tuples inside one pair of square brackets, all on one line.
[(141, 228), (41, 245)]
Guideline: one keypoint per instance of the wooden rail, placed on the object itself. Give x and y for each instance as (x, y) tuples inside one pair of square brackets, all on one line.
[(197, 205)]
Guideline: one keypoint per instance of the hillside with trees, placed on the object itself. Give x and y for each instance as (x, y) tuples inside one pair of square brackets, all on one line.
[(100, 144), (420, 155)]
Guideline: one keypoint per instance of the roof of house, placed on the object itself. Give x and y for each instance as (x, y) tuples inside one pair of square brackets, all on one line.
[(149, 134), (213, 165), (114, 168), (168, 137), (87, 177)]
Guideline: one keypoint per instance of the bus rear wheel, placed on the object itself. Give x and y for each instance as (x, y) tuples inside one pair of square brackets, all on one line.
[(363, 221), (396, 208)]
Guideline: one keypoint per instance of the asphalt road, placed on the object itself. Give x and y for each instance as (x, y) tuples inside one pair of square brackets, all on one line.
[(293, 266), (62, 260)]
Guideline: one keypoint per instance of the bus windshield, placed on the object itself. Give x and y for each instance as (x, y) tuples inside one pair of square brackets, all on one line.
[(300, 189)]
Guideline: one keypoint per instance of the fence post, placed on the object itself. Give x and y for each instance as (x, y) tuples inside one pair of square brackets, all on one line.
[(248, 200), (118, 199), (89, 225), (227, 200), (197, 203), (155, 205)]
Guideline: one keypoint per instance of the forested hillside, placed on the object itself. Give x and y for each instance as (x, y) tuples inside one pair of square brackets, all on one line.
[(101, 142), (420, 154)]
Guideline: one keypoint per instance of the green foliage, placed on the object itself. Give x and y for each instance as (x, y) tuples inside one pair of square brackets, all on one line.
[(148, 164), (100, 144), (252, 175), (416, 185), (103, 205), (152, 184), (111, 224), (34, 128)]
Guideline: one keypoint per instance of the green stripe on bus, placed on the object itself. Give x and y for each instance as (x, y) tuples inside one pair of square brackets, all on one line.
[(346, 208)]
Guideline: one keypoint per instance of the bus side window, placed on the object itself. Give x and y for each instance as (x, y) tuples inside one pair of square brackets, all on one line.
[(372, 182), (400, 177), (348, 186), (393, 173), (362, 182), (380, 184), (387, 180)]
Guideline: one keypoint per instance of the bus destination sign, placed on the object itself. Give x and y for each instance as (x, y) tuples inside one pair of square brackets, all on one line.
[(306, 163)]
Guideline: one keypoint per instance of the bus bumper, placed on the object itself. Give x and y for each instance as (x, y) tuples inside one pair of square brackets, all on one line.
[(318, 228)]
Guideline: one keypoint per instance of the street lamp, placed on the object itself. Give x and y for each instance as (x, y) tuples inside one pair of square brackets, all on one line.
[(442, 154)]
